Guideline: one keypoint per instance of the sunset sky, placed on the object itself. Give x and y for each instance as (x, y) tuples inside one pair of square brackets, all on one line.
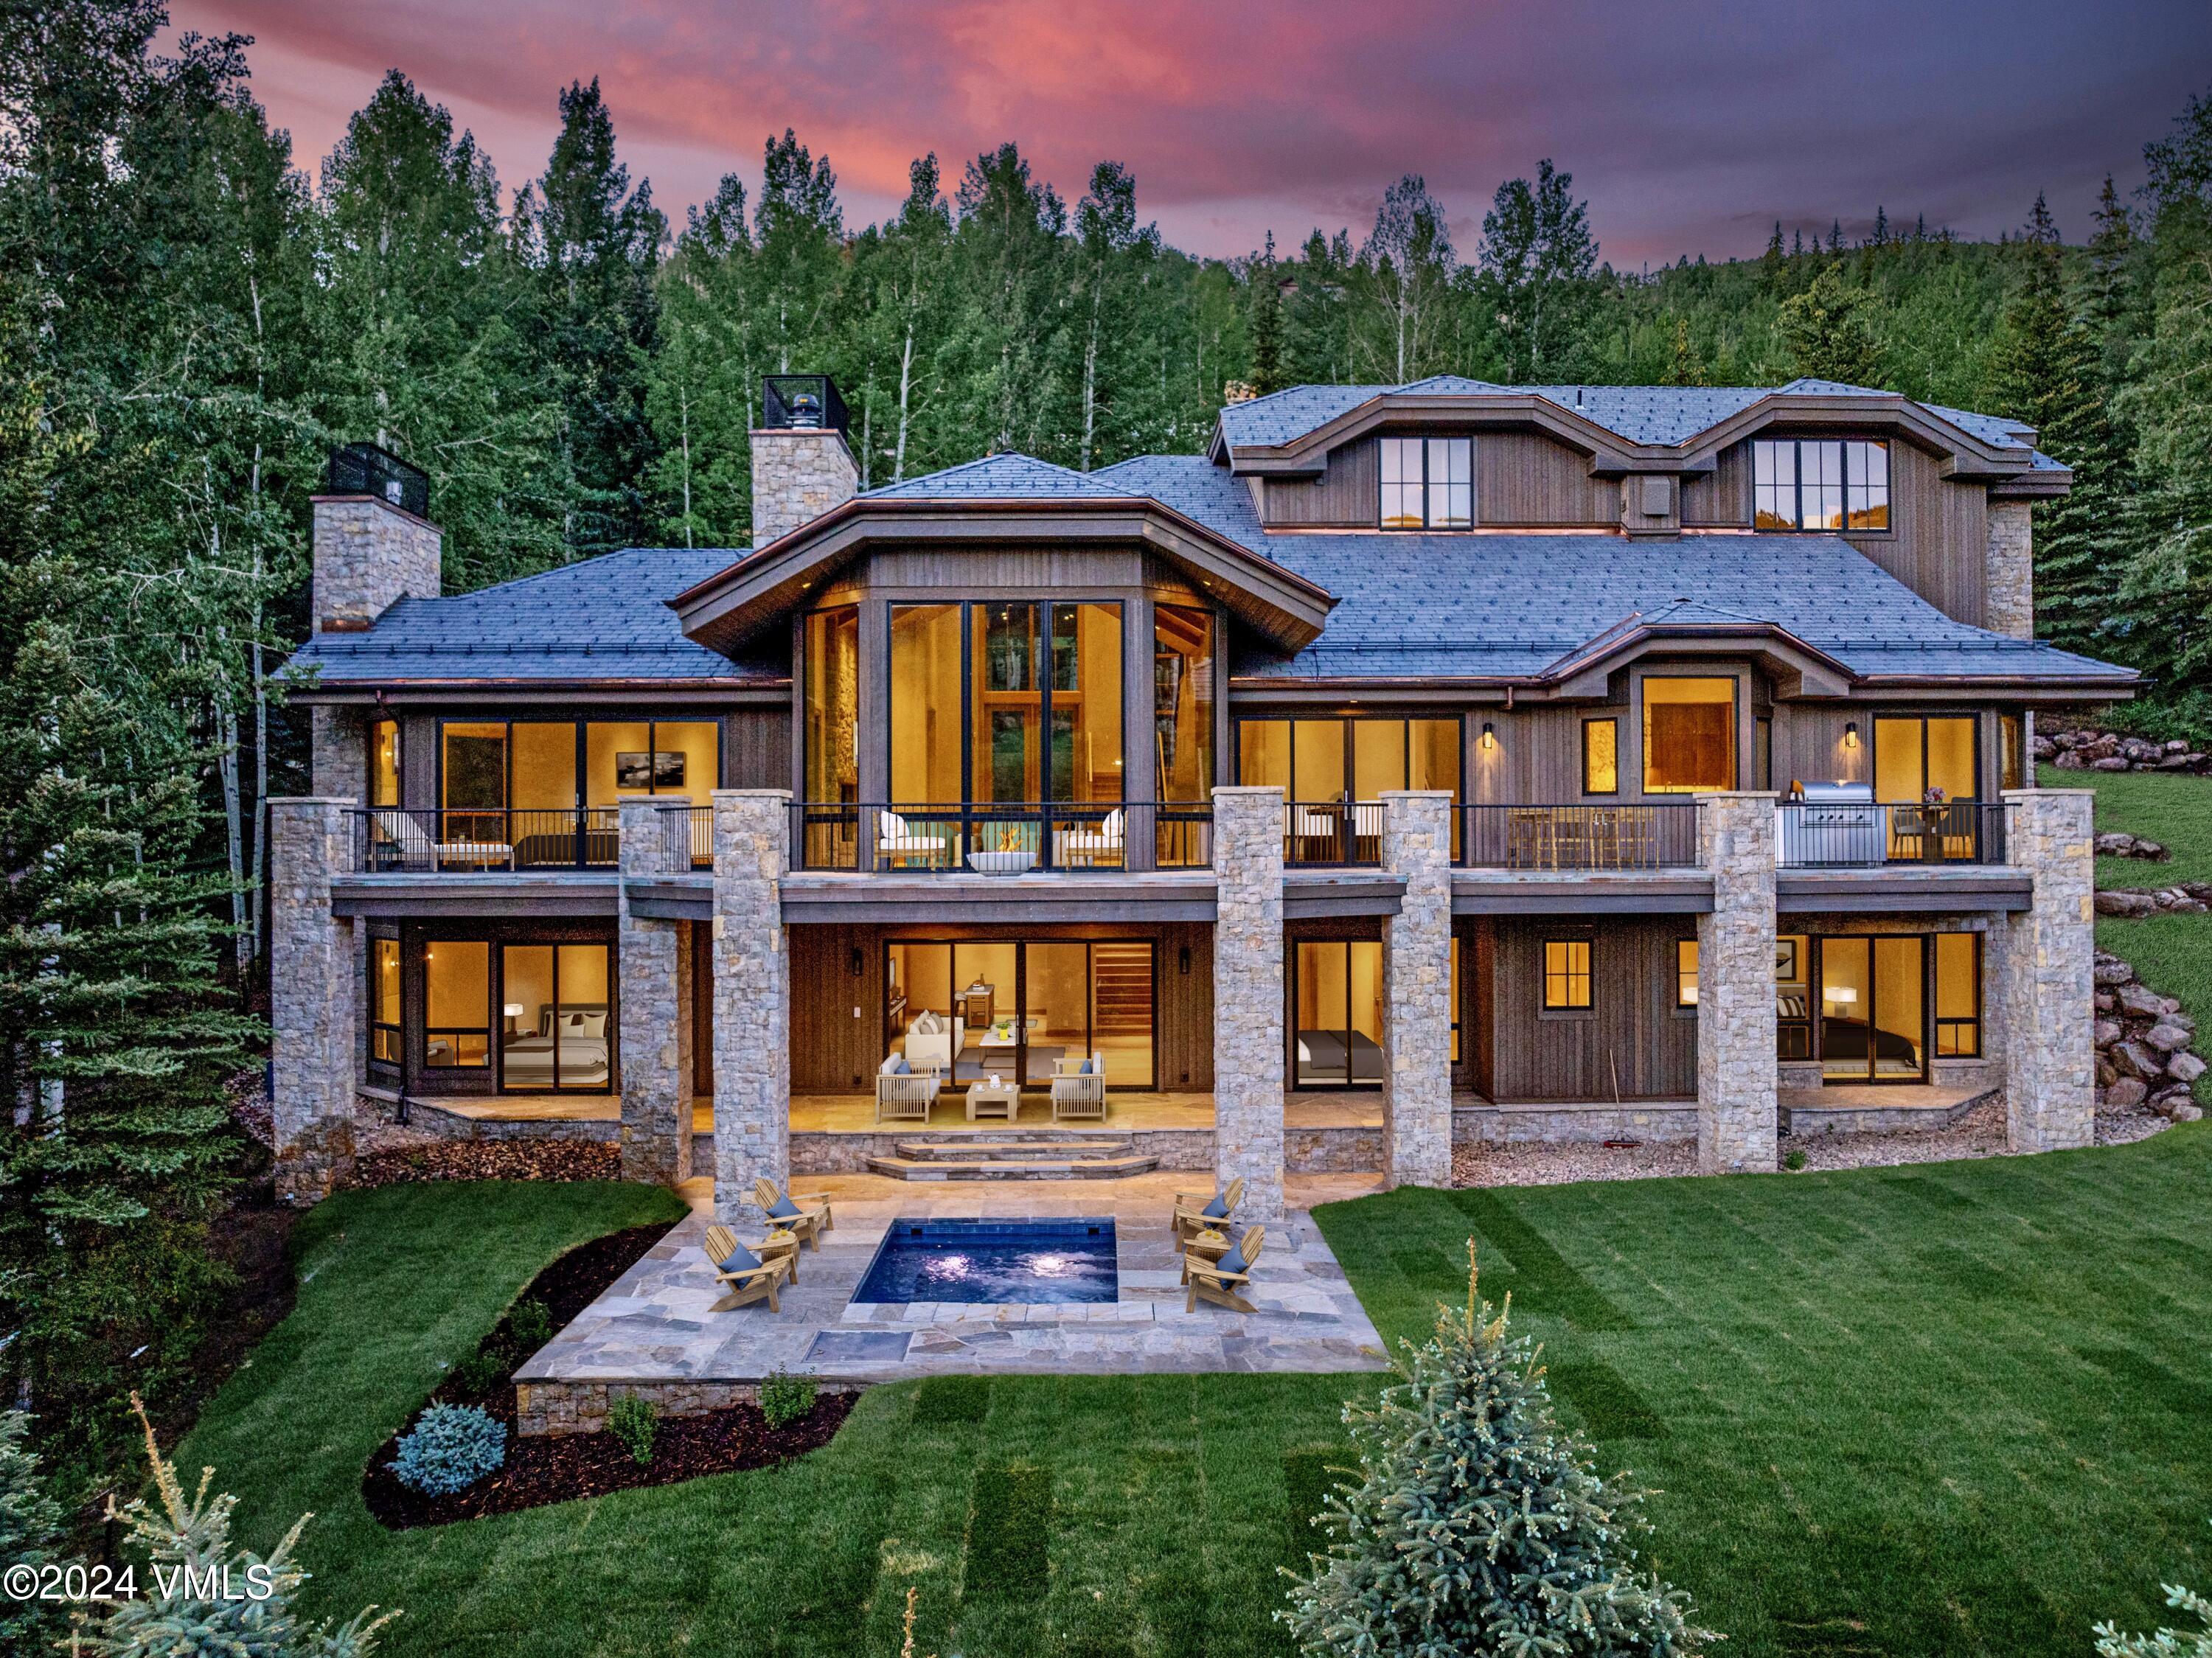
[(1690, 127)]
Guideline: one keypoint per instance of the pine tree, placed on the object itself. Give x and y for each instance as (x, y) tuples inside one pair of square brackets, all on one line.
[(203, 1597), (1267, 323), (1825, 332), (1769, 263), (30, 1535), (2166, 1642), (1479, 1525), (1686, 368)]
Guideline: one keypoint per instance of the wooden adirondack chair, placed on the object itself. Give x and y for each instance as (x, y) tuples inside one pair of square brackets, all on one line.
[(812, 1219), (1188, 1205), (746, 1283), (1208, 1282)]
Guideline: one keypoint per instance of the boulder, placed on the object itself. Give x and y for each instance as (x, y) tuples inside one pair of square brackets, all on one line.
[(2167, 1038), (2174, 763), (2137, 1059), (2178, 745), (2105, 1032), (2184, 1111), (2184, 1067), (2140, 1001), (2102, 746), (2127, 1093), (2157, 851), (2110, 763), (2123, 902), (2112, 972), (2183, 1021), (2070, 760)]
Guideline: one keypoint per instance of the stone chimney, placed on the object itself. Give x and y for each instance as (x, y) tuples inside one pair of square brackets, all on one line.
[(373, 540), (802, 467)]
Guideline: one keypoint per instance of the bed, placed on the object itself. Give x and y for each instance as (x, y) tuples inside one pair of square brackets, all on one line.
[(1322, 1057), (527, 1062)]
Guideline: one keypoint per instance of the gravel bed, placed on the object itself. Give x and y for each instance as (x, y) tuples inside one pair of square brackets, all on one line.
[(1979, 1133)]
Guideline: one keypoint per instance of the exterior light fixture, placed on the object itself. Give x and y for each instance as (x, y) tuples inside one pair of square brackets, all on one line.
[(1489, 735), (1851, 734), (1182, 960), (858, 966)]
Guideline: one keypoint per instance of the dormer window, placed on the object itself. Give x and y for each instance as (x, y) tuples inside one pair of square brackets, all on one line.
[(1828, 484), (1428, 484)]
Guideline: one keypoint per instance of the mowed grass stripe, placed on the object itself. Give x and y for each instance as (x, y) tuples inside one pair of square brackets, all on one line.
[(1009, 1526), (1550, 1282)]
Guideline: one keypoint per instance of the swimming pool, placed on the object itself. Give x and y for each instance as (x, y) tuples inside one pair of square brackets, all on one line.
[(994, 1261)]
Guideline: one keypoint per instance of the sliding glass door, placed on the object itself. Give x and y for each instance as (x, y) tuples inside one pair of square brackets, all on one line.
[(1018, 1008), (1336, 993), (556, 1029), (1874, 1009)]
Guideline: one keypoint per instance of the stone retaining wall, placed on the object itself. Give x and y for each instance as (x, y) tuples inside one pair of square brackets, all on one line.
[(1573, 1125), (581, 1408)]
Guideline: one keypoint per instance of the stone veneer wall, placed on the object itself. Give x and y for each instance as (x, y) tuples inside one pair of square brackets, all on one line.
[(340, 739), (581, 1408), (797, 476), (1416, 1013), (2008, 570), (752, 998), (368, 553), (1737, 1125), (655, 976), (1248, 995), (312, 1002), (2048, 993)]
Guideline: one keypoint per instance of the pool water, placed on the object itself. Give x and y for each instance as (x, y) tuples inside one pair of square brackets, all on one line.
[(994, 1261)]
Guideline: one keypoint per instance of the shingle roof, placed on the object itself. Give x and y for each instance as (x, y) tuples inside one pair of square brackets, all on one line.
[(1667, 416), (601, 618), (1021, 477)]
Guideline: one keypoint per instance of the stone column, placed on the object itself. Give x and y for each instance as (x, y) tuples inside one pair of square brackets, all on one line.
[(314, 1001), (752, 998), (1248, 996), (1736, 1128), (2049, 1056), (1417, 1012), (2008, 570), (655, 994)]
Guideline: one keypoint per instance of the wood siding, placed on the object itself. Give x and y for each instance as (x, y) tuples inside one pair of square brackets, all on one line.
[(1347, 497), (756, 749), (1632, 1041), (1521, 478), (1723, 499), (834, 1053)]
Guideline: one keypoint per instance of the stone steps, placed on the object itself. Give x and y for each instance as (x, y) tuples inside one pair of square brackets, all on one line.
[(1011, 1169), (979, 1148)]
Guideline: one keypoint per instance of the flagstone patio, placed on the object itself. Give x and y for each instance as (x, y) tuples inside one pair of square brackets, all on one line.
[(656, 1332)]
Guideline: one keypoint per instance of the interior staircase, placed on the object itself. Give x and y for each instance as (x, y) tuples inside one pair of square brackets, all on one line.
[(1017, 1154), (1121, 989)]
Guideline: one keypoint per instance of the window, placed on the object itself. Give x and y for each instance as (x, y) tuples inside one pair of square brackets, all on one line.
[(1793, 1008), (1023, 1009), (1183, 730), (1689, 735), (457, 1005), (1685, 973), (549, 787), (1957, 995), (1600, 756), (1566, 974), (384, 763), (1915, 757), (1336, 1001), (555, 1017), (2012, 753), (1828, 484), (1428, 484), (384, 1022), (1318, 761), (832, 647)]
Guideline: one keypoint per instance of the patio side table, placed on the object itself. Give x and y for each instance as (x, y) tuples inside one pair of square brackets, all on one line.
[(993, 1099), (781, 1245)]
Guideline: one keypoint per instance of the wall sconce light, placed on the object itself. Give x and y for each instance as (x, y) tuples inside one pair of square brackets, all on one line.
[(858, 966), (1851, 734), (1182, 959), (1489, 735)]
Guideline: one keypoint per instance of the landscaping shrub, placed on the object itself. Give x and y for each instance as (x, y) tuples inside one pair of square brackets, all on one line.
[(1794, 1162), (635, 1421), (1479, 1525), (784, 1398), (450, 1448), (530, 1324), (482, 1370), (2167, 1643)]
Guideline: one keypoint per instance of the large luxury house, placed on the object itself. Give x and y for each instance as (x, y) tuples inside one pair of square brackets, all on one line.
[(1420, 763)]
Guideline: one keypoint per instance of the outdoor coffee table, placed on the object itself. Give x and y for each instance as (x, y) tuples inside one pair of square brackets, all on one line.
[(780, 1244), (994, 1099)]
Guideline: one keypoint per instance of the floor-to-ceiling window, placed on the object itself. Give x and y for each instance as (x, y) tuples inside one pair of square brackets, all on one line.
[(543, 792), (1333, 771), (1336, 1002), (456, 1004), (1021, 1008), (1182, 732), (556, 1013), (1689, 735)]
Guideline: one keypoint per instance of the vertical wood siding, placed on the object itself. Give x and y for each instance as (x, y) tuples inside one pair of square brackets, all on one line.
[(1523, 478), (1632, 1030)]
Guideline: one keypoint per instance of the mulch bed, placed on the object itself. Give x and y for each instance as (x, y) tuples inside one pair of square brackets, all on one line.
[(541, 1160), (545, 1469)]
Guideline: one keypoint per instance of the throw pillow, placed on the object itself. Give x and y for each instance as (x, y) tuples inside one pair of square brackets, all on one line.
[(1234, 1261), (1219, 1209), (900, 1066), (784, 1209), (741, 1259)]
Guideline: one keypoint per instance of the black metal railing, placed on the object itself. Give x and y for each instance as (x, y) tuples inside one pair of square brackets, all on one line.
[(388, 840), (1864, 834), (1325, 832), (802, 403), (1639, 835), (363, 469), (998, 838), (687, 839)]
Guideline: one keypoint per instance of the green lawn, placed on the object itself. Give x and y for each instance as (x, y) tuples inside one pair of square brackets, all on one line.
[(2176, 810), (1962, 1405)]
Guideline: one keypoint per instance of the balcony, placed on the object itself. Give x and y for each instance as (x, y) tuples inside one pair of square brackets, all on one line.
[(1549, 839), (992, 838), (1843, 835), (392, 840)]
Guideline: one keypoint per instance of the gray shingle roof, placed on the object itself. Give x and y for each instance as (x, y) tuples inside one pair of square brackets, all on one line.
[(602, 618), (994, 478), (1667, 416)]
